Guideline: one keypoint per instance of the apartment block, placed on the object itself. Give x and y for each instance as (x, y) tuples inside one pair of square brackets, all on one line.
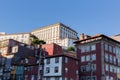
[(99, 57)]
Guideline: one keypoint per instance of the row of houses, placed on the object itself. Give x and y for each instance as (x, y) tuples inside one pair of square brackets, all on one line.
[(49, 62), (95, 58)]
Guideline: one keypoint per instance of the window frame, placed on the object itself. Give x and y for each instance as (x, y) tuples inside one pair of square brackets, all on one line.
[(56, 69)]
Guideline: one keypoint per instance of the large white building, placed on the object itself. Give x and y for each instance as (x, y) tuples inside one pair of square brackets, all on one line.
[(57, 33)]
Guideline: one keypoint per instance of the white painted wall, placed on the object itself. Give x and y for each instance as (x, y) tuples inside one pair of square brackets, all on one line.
[(52, 65)]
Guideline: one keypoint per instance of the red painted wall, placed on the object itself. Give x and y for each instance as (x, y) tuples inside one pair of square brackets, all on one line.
[(52, 48)]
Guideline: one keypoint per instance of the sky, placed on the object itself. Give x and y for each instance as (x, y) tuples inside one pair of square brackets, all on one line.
[(85, 16)]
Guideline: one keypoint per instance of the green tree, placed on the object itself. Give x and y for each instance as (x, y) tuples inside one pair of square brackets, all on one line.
[(37, 42), (70, 48)]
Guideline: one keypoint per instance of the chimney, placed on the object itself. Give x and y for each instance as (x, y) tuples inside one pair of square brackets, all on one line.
[(82, 36)]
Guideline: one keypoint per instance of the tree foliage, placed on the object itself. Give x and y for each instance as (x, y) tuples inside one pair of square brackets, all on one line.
[(37, 41), (70, 48)]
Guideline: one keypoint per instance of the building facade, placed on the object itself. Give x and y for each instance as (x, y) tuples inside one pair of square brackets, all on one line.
[(99, 58), (10, 51), (6, 48), (61, 67), (56, 33), (21, 37)]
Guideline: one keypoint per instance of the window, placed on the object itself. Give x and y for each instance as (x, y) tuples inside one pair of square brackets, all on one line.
[(118, 61), (114, 60), (56, 70), (82, 49), (32, 77), (77, 72), (115, 69), (114, 51), (83, 78), (106, 56), (117, 50), (94, 78), (66, 60), (77, 62), (48, 78), (28, 68), (111, 58), (83, 68), (88, 58), (1, 71), (110, 48), (87, 48), (93, 47), (66, 78), (56, 78), (88, 78), (93, 67), (87, 67), (26, 60), (48, 61), (47, 70), (107, 77), (111, 68), (82, 58), (19, 77), (66, 70), (111, 78), (57, 60), (25, 68), (15, 49), (107, 67), (118, 70), (106, 47), (93, 57)]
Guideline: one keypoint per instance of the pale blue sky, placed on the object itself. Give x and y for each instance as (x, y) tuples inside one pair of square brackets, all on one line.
[(85, 16)]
